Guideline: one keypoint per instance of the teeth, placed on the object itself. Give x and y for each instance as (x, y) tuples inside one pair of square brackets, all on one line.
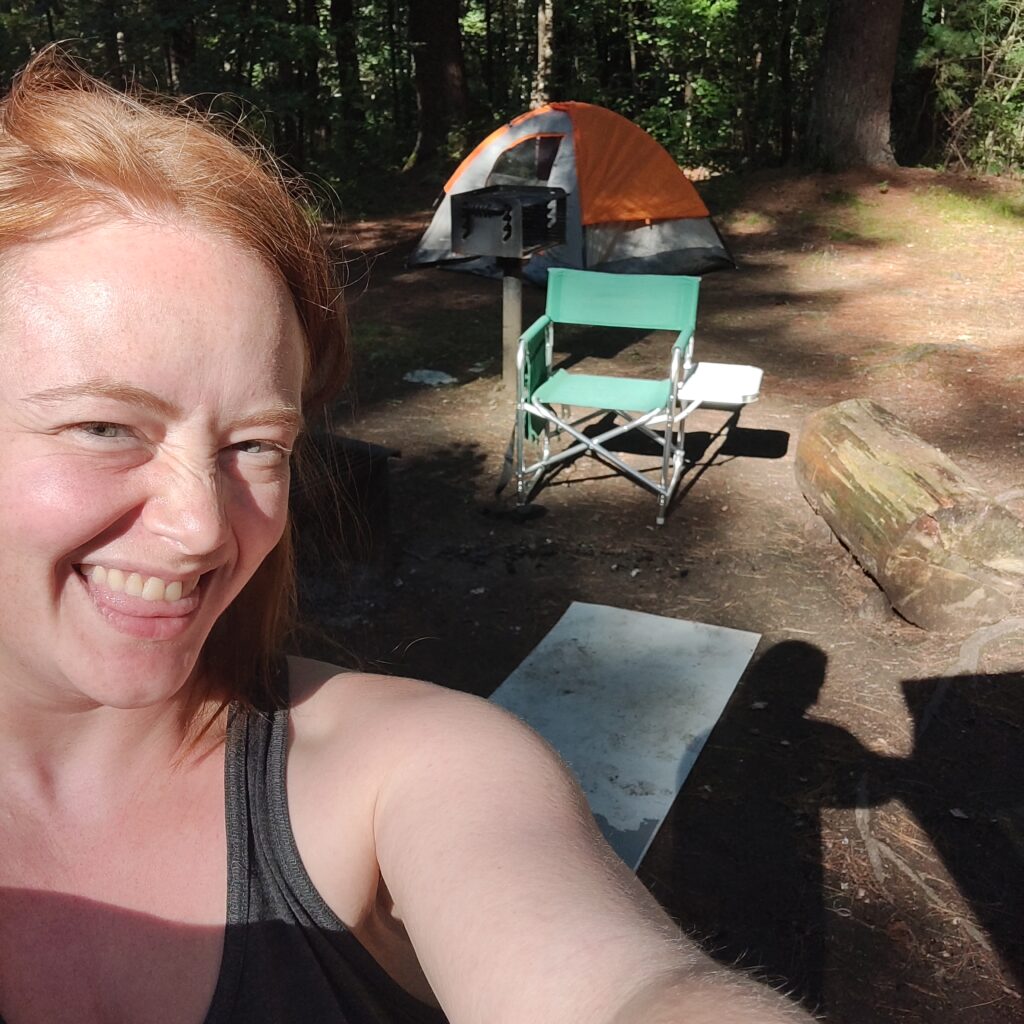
[(151, 588)]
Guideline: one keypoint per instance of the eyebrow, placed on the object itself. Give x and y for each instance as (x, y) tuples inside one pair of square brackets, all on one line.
[(103, 388), (286, 416)]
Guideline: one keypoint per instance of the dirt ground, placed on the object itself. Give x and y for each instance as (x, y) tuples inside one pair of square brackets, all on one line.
[(855, 825)]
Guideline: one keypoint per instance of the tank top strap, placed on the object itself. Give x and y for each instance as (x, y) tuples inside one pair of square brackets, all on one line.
[(287, 959)]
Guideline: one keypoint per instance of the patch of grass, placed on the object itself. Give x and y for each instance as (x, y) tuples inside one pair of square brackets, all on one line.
[(858, 222), (752, 220), (865, 222), (840, 197), (837, 233), (956, 207), (852, 220)]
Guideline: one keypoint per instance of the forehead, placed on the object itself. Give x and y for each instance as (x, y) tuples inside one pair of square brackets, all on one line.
[(150, 300)]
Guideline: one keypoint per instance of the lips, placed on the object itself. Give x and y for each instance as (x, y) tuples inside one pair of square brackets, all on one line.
[(123, 603)]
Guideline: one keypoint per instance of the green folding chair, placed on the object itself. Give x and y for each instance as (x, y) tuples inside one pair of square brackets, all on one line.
[(546, 402)]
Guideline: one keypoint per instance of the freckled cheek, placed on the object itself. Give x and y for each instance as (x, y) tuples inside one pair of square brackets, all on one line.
[(49, 504), (258, 515)]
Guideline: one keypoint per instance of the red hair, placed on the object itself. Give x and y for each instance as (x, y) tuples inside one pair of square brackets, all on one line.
[(71, 149)]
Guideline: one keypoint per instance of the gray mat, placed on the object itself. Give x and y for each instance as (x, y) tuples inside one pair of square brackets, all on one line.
[(628, 700)]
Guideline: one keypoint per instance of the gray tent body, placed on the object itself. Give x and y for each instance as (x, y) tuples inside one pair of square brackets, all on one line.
[(687, 245)]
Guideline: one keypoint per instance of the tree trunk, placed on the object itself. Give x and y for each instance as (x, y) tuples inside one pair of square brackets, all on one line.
[(542, 75), (784, 98), (850, 110), (438, 72), (948, 556), (289, 135), (108, 19), (346, 53), (489, 51), (179, 31), (391, 33), (312, 111)]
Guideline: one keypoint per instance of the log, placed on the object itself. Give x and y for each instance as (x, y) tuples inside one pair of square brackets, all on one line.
[(948, 556)]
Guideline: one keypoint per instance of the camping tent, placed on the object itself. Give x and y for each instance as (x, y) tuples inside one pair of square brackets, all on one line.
[(630, 209)]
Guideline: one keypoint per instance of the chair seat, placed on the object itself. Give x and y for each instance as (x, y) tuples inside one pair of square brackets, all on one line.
[(595, 392), (722, 384)]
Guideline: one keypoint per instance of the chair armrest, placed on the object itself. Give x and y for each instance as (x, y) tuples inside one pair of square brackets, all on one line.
[(684, 340), (677, 359), (531, 332), (682, 352)]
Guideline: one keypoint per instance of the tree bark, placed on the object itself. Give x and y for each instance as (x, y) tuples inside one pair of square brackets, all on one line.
[(179, 31), (108, 20), (439, 74), (541, 93), (849, 124), (311, 114), (948, 556), (784, 73), (346, 53), (289, 133)]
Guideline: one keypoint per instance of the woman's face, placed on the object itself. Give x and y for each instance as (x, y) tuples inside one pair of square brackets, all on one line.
[(150, 381)]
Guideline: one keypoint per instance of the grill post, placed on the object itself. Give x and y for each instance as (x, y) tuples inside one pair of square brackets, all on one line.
[(511, 315), (509, 223)]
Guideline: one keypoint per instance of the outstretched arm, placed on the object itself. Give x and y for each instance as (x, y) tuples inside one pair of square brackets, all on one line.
[(518, 910)]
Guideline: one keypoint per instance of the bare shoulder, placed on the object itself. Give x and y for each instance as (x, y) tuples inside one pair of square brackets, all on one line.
[(375, 762), (490, 862), (389, 758), (333, 709)]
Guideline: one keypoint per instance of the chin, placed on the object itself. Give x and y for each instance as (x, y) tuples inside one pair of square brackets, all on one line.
[(135, 683)]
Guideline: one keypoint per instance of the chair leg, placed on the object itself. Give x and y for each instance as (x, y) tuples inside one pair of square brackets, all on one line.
[(520, 455)]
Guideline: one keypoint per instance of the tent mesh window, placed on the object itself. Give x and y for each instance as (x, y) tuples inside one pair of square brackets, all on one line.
[(526, 163)]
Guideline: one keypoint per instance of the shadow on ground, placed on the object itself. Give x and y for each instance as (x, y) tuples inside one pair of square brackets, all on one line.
[(779, 768)]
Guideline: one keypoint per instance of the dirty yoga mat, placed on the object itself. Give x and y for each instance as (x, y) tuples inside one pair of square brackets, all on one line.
[(628, 700)]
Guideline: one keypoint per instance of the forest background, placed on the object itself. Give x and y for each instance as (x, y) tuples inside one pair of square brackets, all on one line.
[(854, 740), (348, 92)]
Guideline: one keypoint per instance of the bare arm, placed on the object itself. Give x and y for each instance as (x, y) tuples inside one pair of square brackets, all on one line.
[(516, 907)]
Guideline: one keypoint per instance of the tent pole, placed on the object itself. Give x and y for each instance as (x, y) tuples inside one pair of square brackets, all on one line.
[(511, 316)]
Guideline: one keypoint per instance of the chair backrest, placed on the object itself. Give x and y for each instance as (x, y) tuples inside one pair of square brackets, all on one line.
[(649, 301)]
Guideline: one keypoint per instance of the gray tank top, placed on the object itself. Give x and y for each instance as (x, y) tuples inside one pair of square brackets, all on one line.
[(287, 958)]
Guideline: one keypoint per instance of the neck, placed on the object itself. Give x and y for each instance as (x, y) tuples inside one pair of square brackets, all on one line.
[(85, 759)]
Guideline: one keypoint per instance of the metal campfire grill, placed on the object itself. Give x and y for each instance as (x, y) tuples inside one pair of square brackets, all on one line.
[(509, 222)]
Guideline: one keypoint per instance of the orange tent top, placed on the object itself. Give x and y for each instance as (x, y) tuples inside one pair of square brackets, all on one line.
[(622, 173)]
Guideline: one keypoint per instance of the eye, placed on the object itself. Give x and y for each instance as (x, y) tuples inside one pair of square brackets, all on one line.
[(105, 431), (265, 451)]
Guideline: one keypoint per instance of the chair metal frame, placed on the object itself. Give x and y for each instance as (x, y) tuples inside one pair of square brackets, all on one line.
[(656, 409)]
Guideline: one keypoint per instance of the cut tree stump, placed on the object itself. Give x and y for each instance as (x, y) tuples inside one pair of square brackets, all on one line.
[(948, 556)]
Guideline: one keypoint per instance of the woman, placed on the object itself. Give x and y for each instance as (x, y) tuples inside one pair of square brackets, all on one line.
[(168, 325)]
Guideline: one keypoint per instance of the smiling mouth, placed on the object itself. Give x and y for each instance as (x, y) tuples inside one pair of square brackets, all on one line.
[(133, 584)]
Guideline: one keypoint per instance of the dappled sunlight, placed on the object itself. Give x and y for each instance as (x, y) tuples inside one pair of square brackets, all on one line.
[(921, 315)]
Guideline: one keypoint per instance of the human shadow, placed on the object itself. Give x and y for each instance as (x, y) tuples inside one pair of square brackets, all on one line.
[(964, 784), (745, 870), (748, 859)]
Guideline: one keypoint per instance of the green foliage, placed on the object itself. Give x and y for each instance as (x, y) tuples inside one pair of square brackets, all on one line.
[(975, 53), (722, 84), (954, 207)]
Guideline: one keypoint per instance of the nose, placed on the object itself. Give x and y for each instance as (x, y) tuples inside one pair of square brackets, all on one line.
[(186, 505)]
